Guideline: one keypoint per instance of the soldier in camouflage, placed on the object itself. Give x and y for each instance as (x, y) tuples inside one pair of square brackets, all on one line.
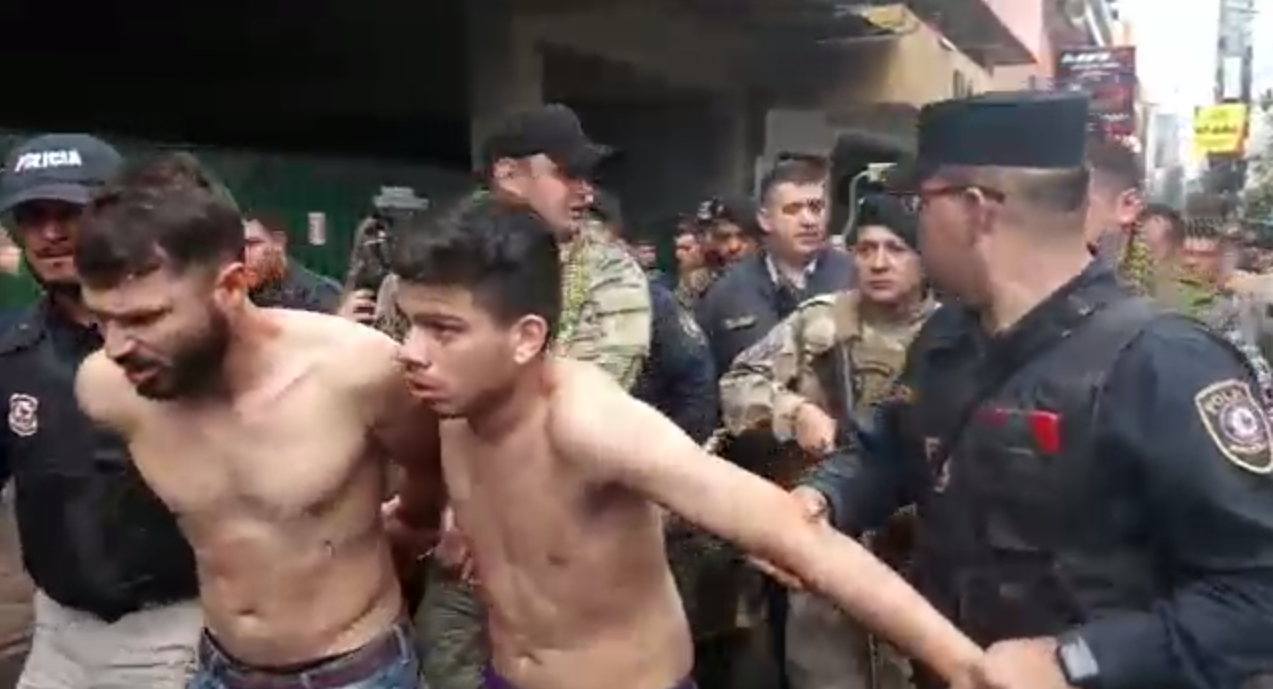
[(1117, 233), (692, 275), (727, 232), (542, 158), (790, 382), (375, 308), (1194, 282)]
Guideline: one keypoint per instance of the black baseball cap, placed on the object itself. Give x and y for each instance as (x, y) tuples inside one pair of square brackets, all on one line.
[(57, 167), (738, 210), (607, 208), (552, 130)]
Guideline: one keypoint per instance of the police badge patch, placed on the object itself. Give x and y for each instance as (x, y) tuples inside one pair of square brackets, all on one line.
[(1237, 424), (24, 419)]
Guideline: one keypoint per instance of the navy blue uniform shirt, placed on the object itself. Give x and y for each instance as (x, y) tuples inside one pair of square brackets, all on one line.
[(301, 289), (678, 379), (745, 303), (94, 537)]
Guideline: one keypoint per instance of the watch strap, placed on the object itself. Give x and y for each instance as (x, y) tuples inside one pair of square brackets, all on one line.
[(1077, 662)]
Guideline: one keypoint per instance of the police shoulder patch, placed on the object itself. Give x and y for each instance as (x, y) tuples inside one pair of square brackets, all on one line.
[(1237, 424)]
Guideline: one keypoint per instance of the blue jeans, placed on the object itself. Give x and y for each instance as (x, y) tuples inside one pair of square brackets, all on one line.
[(387, 662)]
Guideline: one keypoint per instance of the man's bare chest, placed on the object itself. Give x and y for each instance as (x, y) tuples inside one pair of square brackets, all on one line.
[(515, 495), (283, 461)]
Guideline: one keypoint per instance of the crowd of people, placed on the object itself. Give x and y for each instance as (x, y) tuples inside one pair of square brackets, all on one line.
[(1013, 431)]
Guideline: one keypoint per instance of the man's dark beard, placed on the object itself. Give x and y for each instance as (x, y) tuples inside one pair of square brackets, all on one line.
[(195, 370), (67, 291)]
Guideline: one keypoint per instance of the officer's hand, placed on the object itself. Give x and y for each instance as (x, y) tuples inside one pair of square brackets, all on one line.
[(1021, 664), (408, 543), (358, 306), (815, 430), (816, 509), (453, 551)]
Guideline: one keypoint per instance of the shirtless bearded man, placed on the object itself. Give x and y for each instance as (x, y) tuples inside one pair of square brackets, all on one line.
[(285, 418), (557, 476)]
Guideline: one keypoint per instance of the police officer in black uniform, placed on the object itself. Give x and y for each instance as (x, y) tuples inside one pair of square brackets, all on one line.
[(117, 588), (1094, 478), (678, 378)]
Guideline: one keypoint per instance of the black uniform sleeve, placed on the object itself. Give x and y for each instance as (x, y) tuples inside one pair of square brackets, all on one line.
[(322, 294), (866, 485), (1182, 407), (691, 373), (6, 463)]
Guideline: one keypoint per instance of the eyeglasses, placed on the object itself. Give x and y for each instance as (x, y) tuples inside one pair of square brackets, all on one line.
[(919, 200)]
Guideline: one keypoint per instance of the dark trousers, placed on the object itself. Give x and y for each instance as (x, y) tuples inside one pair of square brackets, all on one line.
[(776, 607), (715, 658)]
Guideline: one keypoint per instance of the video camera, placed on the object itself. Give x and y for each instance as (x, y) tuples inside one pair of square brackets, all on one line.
[(391, 209)]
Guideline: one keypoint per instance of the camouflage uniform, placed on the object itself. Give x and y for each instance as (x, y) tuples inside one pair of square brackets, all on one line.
[(766, 386), (1254, 294), (692, 285), (388, 319), (606, 319), (1226, 314)]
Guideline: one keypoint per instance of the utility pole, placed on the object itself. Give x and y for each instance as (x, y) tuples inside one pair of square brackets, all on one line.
[(1234, 75)]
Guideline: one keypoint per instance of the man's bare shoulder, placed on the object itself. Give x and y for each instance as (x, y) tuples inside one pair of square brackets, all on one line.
[(349, 356), (589, 413), (575, 381), (104, 393)]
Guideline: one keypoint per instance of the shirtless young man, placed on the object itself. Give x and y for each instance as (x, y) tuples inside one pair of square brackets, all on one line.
[(284, 419), (558, 478)]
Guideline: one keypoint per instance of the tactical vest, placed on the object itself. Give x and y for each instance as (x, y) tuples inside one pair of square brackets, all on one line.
[(848, 378), (94, 537), (1025, 532), (852, 377)]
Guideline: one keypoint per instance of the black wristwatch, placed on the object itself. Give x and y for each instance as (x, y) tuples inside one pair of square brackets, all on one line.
[(1077, 662)]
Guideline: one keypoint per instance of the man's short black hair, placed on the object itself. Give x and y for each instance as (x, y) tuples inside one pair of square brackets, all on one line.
[(167, 212), (793, 169), (1204, 228), (1115, 164), (686, 227), (505, 254), (272, 222), (1175, 221)]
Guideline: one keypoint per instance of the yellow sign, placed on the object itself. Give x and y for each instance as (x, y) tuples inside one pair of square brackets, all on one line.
[(1219, 128)]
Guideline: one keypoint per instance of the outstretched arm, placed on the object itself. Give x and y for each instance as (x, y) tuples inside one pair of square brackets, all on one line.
[(622, 440)]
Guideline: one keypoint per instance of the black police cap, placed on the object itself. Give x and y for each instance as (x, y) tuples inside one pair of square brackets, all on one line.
[(1012, 129)]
